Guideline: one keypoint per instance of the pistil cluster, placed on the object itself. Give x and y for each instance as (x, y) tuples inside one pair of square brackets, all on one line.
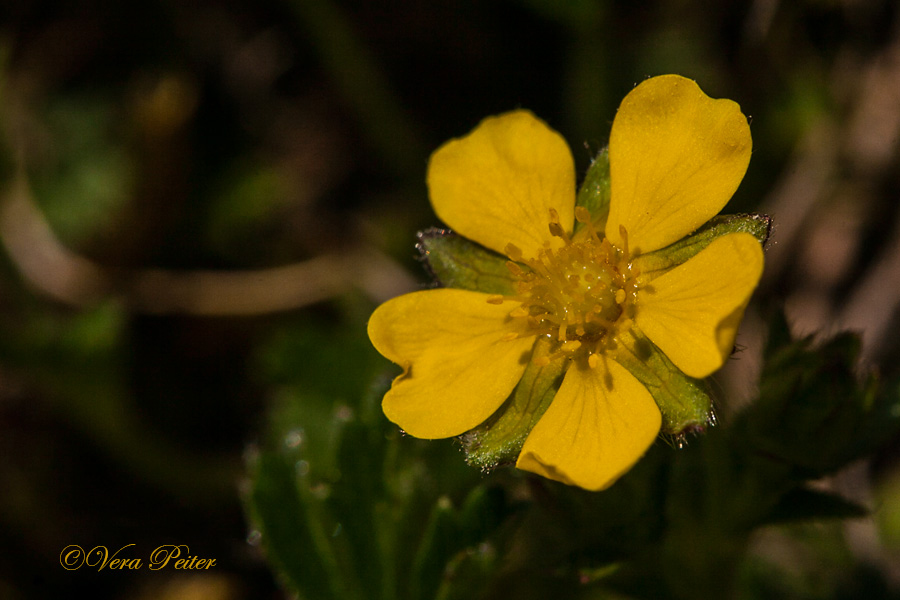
[(579, 295)]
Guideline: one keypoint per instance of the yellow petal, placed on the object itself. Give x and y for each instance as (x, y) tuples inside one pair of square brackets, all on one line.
[(600, 423), (692, 312), (458, 368), (497, 185), (676, 157)]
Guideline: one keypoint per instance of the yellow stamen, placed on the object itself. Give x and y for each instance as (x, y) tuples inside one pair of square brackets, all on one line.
[(578, 294)]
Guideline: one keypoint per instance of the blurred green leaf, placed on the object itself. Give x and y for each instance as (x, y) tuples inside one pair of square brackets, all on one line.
[(251, 203), (439, 544), (809, 504), (375, 508), (87, 180), (293, 538), (812, 407)]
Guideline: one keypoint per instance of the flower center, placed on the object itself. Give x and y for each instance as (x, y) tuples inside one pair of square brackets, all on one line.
[(579, 294)]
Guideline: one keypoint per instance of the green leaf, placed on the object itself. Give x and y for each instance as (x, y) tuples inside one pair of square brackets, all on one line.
[(684, 402), (293, 538), (500, 439), (811, 408), (815, 413), (481, 513), (439, 543), (882, 418), (456, 262), (468, 573), (807, 504), (658, 262), (594, 193), (355, 499)]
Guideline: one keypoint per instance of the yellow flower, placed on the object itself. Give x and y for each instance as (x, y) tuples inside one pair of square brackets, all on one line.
[(676, 157)]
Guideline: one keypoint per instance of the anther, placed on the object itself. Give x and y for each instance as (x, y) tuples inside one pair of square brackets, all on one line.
[(513, 252), (593, 361), (556, 228), (624, 235), (514, 269), (495, 299), (519, 311), (582, 215), (571, 347)]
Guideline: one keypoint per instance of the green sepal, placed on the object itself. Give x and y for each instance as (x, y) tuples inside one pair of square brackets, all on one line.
[(500, 439), (595, 191), (684, 402), (456, 262), (659, 261)]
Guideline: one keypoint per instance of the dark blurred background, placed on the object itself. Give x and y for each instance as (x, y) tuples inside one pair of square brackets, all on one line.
[(203, 201)]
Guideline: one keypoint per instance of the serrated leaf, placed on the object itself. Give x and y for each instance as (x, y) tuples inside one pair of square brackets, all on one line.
[(594, 192), (881, 421), (292, 539), (456, 262), (500, 439), (658, 262), (811, 408), (355, 498), (807, 504), (684, 402)]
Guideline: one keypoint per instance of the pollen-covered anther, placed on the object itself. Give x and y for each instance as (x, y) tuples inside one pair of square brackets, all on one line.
[(513, 251), (582, 215), (519, 311), (556, 228)]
